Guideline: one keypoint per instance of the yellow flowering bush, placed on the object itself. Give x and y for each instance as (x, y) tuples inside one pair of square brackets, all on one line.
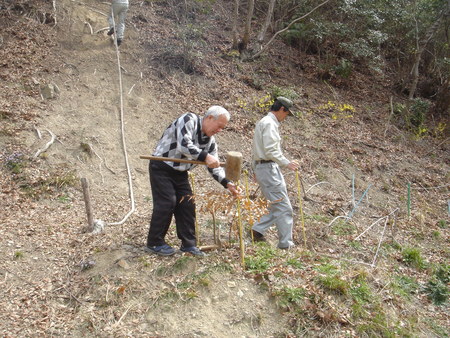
[(338, 111), (260, 105)]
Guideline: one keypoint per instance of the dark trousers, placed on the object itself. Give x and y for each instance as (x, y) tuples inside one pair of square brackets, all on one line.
[(172, 196)]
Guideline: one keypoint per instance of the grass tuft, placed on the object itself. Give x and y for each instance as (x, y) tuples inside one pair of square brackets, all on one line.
[(413, 257)]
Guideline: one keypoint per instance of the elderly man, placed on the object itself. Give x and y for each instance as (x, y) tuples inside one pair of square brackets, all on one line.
[(267, 161), (188, 137)]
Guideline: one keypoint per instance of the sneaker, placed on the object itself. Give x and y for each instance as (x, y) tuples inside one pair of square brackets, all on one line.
[(119, 41), (193, 250), (258, 237), (110, 32), (161, 250)]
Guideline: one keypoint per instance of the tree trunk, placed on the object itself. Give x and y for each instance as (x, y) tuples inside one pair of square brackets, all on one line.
[(266, 24), (442, 105), (421, 47), (235, 24), (283, 30), (248, 25)]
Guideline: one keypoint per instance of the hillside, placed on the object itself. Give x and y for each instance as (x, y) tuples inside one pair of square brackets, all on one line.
[(383, 272)]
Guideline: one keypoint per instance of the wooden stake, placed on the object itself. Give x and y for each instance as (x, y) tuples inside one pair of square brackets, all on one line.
[(300, 204), (241, 233), (247, 196), (87, 203)]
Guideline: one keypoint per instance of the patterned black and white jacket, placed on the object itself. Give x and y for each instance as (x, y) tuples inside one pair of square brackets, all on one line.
[(184, 139)]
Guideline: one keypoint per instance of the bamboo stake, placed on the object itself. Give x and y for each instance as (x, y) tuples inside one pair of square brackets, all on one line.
[(300, 203), (241, 232), (241, 237), (197, 230), (247, 196)]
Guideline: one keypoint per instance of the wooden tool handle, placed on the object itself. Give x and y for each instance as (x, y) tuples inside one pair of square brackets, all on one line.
[(158, 158)]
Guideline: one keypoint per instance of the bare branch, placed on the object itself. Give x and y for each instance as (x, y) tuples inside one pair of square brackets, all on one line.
[(49, 143), (285, 29)]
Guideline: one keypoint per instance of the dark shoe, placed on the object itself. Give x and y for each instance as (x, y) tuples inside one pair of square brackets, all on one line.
[(110, 32), (162, 250), (258, 237), (193, 250), (119, 41)]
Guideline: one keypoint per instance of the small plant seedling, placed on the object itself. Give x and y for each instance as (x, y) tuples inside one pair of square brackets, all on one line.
[(287, 296), (404, 286), (413, 257), (330, 279), (437, 291), (262, 260), (442, 223), (295, 262)]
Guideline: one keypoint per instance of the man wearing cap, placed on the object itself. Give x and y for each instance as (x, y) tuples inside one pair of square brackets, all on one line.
[(188, 137), (267, 161)]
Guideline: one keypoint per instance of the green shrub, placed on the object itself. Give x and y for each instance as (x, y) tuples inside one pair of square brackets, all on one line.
[(290, 93), (417, 112), (399, 108), (413, 257), (442, 272), (437, 291), (343, 69), (294, 35)]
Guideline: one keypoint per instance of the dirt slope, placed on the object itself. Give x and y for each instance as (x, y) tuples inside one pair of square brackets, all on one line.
[(59, 280), (86, 119)]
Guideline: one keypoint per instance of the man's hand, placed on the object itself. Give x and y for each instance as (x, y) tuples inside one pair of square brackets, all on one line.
[(212, 162), (234, 190), (294, 165)]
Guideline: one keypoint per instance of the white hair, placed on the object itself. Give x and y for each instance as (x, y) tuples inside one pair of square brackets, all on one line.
[(216, 111)]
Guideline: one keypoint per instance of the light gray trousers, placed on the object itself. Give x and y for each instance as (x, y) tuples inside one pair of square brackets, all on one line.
[(119, 10), (273, 187)]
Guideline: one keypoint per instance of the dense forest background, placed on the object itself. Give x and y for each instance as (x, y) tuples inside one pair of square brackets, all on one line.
[(406, 42)]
